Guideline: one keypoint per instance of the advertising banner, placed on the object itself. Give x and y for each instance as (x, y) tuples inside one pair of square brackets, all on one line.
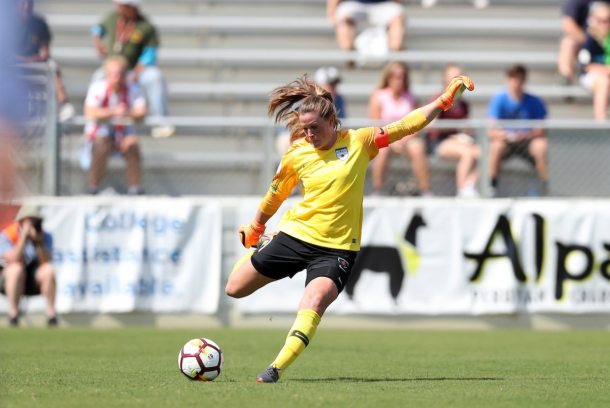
[(466, 257), (161, 255)]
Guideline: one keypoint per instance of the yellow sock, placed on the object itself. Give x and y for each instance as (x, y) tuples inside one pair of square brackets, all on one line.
[(299, 336)]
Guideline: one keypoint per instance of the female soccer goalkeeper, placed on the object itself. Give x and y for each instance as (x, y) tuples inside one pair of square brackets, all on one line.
[(321, 233)]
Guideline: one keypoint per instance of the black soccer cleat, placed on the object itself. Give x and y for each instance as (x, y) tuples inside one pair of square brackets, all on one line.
[(269, 375)]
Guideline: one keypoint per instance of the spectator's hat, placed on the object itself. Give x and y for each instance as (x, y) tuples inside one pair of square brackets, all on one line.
[(328, 75), (28, 211), (134, 3)]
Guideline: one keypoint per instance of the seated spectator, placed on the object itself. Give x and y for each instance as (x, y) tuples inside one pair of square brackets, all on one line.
[(110, 104), (390, 102), (530, 144), (328, 78), (129, 34), (595, 59), (480, 4), (345, 14), (34, 39), (25, 263), (453, 144), (574, 27)]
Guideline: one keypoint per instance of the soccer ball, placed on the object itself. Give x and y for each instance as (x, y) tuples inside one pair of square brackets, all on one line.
[(200, 360)]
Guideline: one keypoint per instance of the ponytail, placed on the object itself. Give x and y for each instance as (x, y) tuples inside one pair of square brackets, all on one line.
[(301, 96)]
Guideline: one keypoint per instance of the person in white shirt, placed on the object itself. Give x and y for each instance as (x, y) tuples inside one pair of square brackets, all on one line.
[(111, 107)]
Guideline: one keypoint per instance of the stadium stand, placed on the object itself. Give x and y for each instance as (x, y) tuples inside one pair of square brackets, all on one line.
[(221, 58)]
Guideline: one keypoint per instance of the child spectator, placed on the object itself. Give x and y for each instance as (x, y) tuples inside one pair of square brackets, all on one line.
[(110, 104), (530, 144)]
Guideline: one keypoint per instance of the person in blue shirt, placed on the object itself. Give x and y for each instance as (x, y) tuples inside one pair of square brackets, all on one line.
[(25, 263), (513, 103), (594, 58)]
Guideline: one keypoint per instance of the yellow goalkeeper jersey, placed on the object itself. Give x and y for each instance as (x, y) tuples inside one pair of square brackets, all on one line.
[(330, 214)]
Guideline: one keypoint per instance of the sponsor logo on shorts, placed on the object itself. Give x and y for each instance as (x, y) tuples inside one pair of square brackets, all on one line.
[(343, 264)]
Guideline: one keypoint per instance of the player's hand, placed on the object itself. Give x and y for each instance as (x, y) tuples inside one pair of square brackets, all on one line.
[(455, 89), (121, 110), (250, 234)]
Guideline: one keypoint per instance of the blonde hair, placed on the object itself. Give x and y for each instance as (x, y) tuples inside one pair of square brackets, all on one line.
[(116, 59), (296, 98), (594, 8), (387, 70)]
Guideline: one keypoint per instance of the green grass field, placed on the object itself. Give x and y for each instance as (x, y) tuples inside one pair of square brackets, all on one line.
[(138, 367)]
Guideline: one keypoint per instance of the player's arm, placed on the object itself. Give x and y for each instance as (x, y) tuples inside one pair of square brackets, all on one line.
[(572, 29), (420, 118), (281, 187)]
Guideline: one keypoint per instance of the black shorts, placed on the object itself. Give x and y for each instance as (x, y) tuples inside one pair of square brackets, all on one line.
[(520, 149), (31, 287), (285, 256)]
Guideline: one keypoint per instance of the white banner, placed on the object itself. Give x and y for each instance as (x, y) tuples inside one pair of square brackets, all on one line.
[(159, 255), (466, 257)]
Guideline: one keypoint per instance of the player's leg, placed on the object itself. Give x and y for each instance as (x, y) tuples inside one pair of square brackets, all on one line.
[(245, 280), (466, 155), (100, 153), (396, 33), (45, 279), (538, 148), (319, 294), (346, 17), (326, 278), (14, 286), (379, 169), (416, 150), (601, 92), (497, 149), (131, 151), (568, 49)]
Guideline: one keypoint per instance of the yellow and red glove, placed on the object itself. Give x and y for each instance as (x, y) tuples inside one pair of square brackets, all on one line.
[(250, 234), (454, 91)]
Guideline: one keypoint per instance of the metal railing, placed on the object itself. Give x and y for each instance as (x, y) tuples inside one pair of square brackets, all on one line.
[(237, 156)]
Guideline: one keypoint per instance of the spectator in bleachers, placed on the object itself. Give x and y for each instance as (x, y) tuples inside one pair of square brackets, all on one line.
[(346, 14), (328, 78), (129, 34), (390, 102), (34, 39), (480, 4), (25, 263), (595, 59), (513, 103), (110, 105), (454, 144), (574, 26)]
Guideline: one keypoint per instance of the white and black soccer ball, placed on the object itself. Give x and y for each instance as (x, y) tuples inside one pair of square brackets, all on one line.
[(200, 360)]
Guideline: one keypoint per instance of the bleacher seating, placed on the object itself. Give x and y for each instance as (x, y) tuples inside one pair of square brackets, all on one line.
[(221, 58)]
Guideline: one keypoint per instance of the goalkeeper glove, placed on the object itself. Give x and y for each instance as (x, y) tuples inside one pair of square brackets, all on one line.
[(454, 91), (249, 234)]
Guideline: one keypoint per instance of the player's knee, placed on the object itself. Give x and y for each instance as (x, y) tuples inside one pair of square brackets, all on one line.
[(130, 145), (15, 270), (46, 272), (233, 290)]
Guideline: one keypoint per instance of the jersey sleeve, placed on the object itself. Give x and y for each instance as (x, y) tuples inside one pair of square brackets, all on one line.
[(366, 136), (152, 38), (281, 186)]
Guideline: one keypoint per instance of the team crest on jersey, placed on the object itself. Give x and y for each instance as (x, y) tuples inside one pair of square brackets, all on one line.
[(342, 153)]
